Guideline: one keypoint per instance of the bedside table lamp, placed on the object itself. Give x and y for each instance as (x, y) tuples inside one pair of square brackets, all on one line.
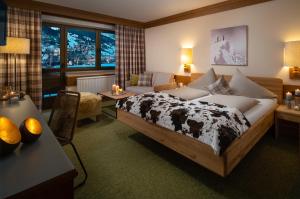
[(187, 59), (292, 58), (16, 46)]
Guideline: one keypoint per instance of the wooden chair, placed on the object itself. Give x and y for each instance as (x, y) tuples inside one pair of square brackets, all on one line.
[(63, 120)]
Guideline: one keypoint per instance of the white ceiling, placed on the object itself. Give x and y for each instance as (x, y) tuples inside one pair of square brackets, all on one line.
[(139, 10)]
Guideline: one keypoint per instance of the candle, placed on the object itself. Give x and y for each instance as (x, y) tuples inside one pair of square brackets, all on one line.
[(120, 90), (180, 84), (31, 129), (113, 88), (288, 96), (296, 108), (117, 90), (12, 93), (297, 92), (4, 97)]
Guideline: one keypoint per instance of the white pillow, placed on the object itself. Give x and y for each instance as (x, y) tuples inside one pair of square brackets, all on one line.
[(205, 80), (187, 93), (240, 102), (160, 78), (220, 87), (241, 85)]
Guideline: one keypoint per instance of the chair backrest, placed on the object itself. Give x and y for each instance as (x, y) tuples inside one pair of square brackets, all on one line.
[(63, 117)]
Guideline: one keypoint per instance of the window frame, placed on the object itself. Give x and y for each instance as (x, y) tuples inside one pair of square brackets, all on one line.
[(63, 49)]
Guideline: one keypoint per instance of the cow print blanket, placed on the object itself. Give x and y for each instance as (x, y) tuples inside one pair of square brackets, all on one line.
[(212, 124)]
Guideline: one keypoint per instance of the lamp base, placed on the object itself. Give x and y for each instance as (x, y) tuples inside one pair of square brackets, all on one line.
[(187, 68)]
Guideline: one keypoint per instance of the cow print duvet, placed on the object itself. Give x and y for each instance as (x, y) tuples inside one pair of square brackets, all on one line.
[(212, 124)]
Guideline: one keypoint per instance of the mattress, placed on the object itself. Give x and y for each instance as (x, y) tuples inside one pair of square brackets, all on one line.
[(257, 111)]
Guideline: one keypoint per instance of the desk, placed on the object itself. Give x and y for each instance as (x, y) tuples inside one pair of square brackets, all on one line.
[(37, 170)]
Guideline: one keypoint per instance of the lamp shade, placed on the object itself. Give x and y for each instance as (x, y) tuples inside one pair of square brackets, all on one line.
[(16, 45), (187, 56), (292, 54)]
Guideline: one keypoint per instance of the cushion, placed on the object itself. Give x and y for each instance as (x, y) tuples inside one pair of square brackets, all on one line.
[(220, 87), (89, 102), (241, 85), (134, 79), (139, 89), (145, 79), (240, 102), (187, 93), (160, 78), (205, 80)]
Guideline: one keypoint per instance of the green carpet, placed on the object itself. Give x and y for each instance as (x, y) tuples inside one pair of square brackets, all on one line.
[(122, 163)]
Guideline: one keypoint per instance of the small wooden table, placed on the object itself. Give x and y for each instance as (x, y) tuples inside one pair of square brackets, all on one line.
[(109, 95), (117, 97), (283, 113)]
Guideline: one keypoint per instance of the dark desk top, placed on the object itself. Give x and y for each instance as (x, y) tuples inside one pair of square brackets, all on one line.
[(30, 164)]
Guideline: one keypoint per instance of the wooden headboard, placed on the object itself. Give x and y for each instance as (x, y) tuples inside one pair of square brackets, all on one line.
[(273, 84)]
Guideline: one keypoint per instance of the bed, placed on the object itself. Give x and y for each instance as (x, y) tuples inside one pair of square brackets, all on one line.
[(202, 153)]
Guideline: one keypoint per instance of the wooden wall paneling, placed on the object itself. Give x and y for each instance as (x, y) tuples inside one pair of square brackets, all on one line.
[(182, 79), (273, 84)]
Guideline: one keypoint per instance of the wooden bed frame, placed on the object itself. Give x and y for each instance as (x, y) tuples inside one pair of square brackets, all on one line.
[(202, 153)]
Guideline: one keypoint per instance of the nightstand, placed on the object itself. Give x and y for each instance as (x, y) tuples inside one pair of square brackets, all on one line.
[(183, 79), (282, 112)]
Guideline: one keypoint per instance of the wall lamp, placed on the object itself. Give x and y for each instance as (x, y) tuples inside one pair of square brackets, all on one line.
[(292, 58), (187, 59)]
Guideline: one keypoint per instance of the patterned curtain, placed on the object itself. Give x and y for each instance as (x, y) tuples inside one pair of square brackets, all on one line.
[(24, 24), (130, 52)]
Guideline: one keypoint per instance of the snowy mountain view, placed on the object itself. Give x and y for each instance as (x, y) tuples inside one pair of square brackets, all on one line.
[(80, 48), (108, 49), (50, 47)]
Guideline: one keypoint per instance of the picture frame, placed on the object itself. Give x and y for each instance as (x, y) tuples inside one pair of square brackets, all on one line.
[(229, 46)]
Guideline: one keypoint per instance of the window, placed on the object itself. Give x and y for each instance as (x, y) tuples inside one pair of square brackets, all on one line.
[(81, 48), (50, 47), (108, 49), (75, 48), (68, 48)]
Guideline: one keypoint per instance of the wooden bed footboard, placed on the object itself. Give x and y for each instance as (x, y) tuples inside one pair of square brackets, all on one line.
[(199, 152)]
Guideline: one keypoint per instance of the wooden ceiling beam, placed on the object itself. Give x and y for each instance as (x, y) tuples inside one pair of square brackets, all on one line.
[(62, 11), (207, 10)]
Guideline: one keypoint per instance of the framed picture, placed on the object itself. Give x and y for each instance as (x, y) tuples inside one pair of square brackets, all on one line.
[(229, 46)]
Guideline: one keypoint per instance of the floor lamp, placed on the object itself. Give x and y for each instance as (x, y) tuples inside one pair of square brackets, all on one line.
[(16, 46)]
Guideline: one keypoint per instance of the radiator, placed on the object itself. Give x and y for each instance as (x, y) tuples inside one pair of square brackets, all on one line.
[(95, 84)]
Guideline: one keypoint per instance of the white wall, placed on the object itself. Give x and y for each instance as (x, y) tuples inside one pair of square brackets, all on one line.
[(269, 24)]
